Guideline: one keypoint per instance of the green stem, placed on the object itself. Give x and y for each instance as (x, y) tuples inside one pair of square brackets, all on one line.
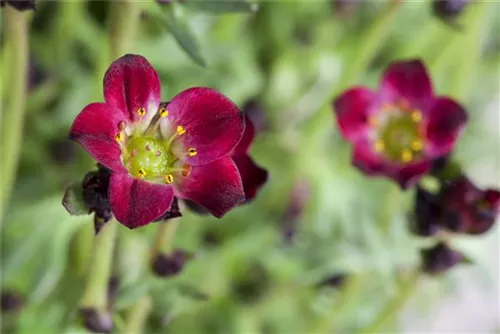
[(95, 294), (165, 237), (347, 297), (392, 308), (138, 315), (123, 25), (16, 34)]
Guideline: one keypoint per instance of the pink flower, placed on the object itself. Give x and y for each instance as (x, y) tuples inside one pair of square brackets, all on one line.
[(400, 129), (157, 152)]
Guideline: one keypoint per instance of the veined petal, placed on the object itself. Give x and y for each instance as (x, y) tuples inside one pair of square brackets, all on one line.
[(95, 129), (136, 202), (352, 109), (252, 176), (247, 139), (446, 119), (215, 186), (213, 125), (409, 81), (131, 83)]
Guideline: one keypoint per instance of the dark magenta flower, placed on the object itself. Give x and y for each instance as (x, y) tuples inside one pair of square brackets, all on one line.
[(400, 129), (155, 152), (468, 209)]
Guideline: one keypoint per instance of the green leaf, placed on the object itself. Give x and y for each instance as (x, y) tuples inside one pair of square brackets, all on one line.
[(223, 7), (73, 200), (172, 18)]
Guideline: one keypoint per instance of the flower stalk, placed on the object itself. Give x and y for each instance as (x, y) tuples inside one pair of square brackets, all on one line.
[(138, 315), (16, 35), (95, 293), (164, 238), (393, 307)]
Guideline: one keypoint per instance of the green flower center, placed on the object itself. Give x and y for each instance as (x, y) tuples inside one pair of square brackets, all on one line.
[(399, 134), (148, 157)]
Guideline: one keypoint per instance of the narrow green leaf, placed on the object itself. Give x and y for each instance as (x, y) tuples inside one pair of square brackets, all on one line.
[(172, 19)]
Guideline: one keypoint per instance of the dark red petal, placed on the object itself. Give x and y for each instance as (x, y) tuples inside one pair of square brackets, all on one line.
[(372, 164), (247, 139), (407, 80), (213, 124), (136, 202), (352, 109), (95, 128), (131, 83), (252, 176), (446, 119), (410, 174), (216, 186)]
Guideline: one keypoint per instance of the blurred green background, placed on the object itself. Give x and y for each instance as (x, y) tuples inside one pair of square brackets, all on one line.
[(292, 58)]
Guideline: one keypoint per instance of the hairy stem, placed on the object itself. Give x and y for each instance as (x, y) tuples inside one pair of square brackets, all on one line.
[(95, 294), (393, 307), (16, 35), (164, 237), (137, 317)]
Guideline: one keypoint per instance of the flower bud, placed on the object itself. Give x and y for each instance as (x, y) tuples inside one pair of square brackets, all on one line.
[(439, 259), (11, 301), (166, 265), (20, 5), (449, 9), (426, 217), (95, 321)]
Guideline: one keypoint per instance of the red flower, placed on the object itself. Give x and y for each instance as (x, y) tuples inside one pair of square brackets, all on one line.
[(400, 129), (155, 152)]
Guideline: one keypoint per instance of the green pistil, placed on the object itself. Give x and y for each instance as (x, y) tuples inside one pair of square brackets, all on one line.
[(148, 157), (399, 134)]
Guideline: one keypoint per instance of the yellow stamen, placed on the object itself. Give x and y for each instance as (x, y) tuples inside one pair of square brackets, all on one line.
[(379, 146), (141, 173), (169, 178), (141, 111), (119, 137), (417, 145), (416, 116), (180, 130), (192, 152), (163, 112), (406, 155)]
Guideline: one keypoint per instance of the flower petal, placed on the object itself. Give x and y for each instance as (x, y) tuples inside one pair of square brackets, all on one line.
[(213, 125), (216, 186), (136, 202), (352, 108), (407, 80), (131, 83), (446, 120), (252, 176), (95, 129), (247, 139), (372, 164)]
